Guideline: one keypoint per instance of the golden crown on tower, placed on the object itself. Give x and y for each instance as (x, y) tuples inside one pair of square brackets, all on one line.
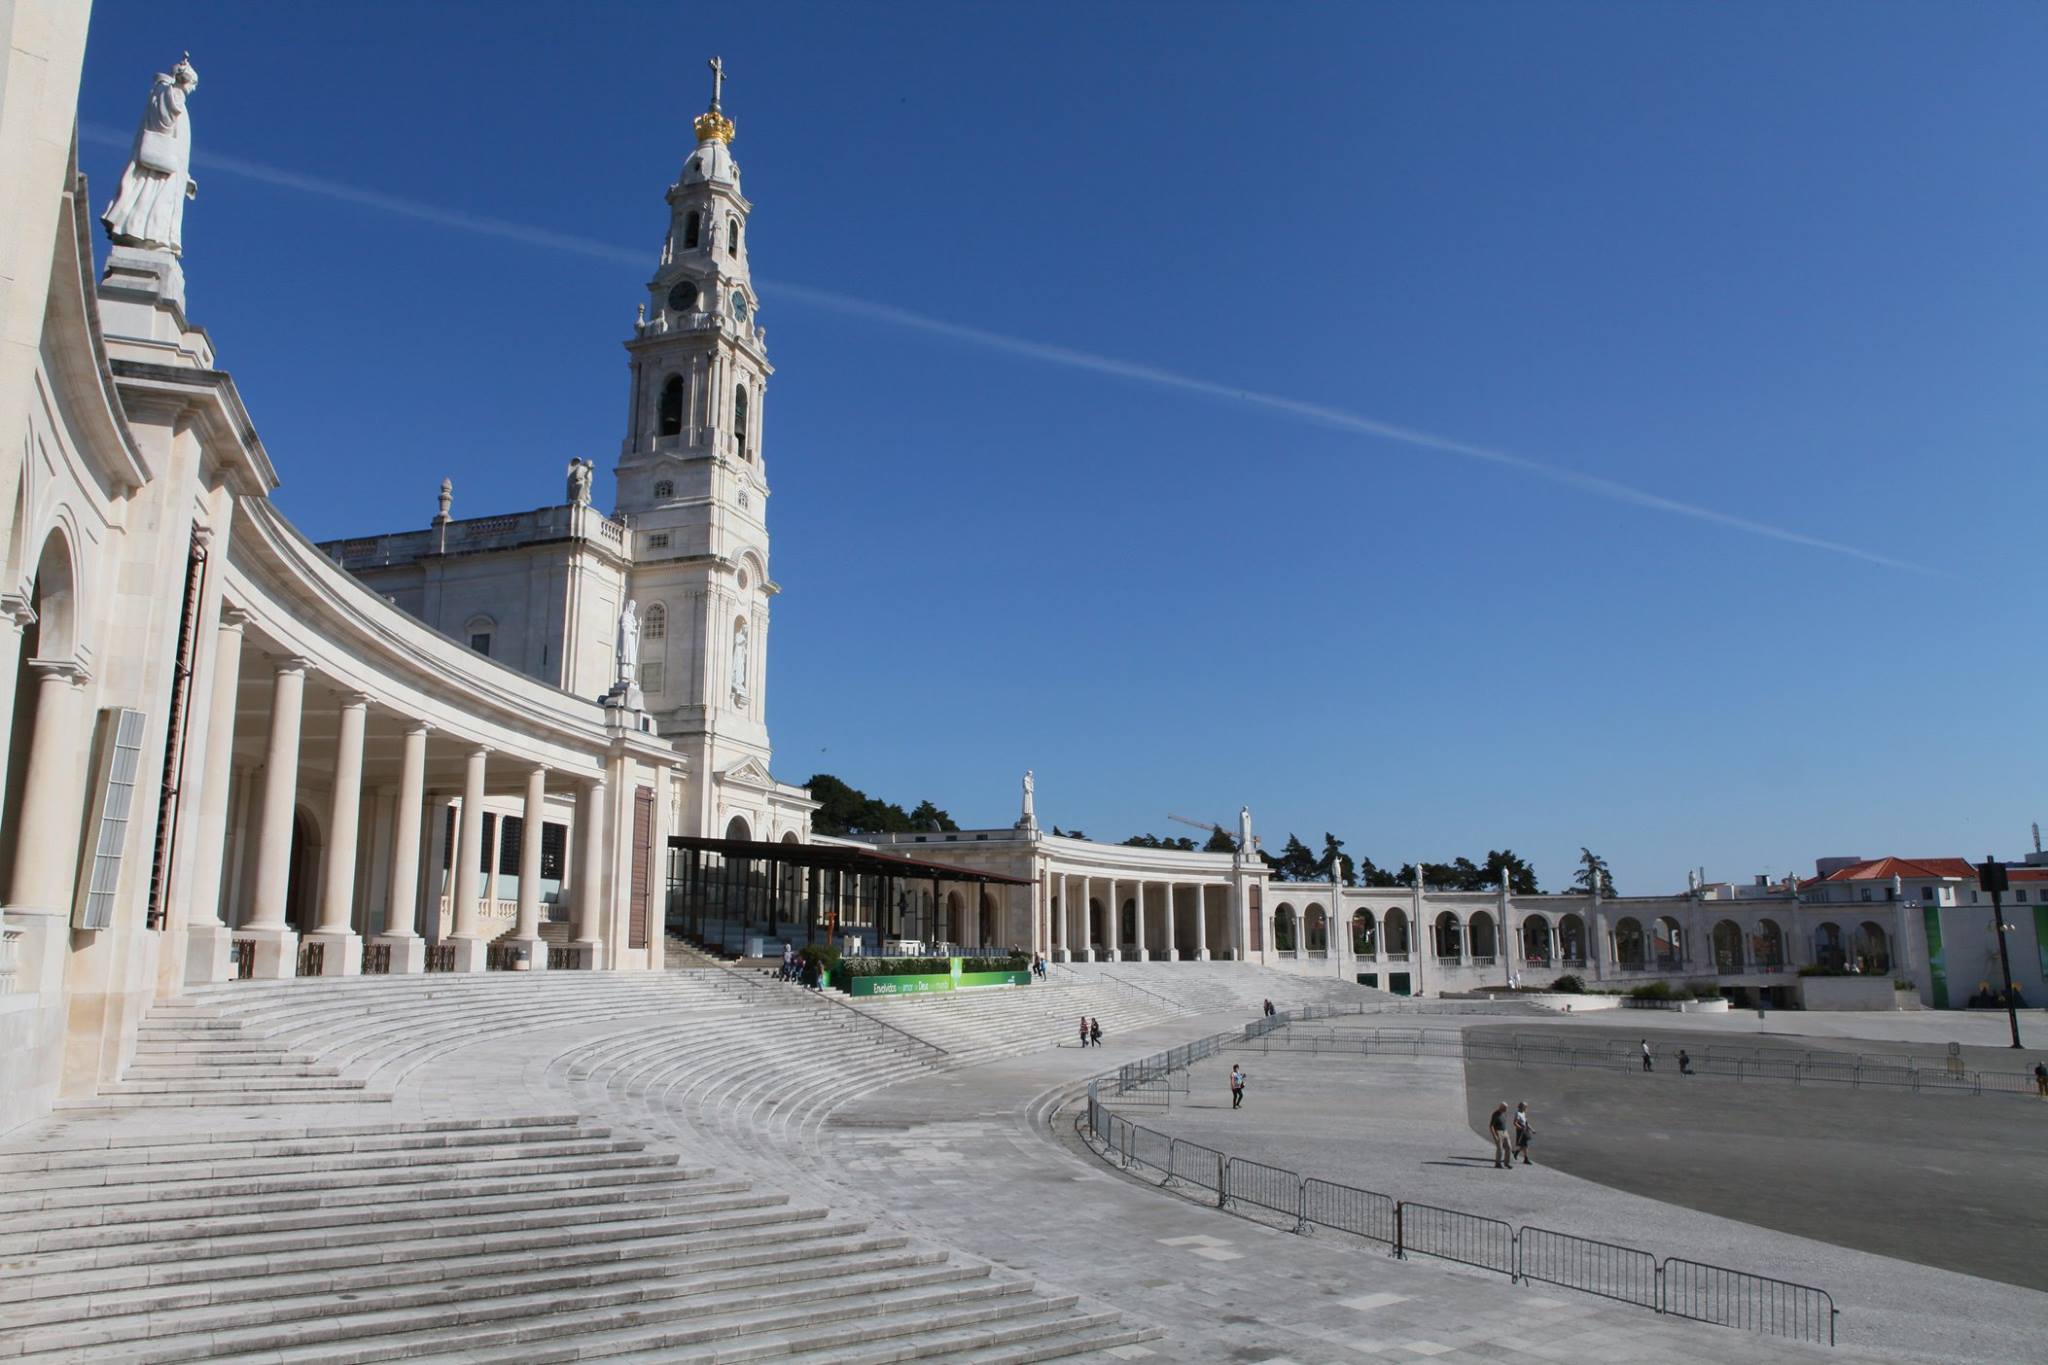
[(712, 125)]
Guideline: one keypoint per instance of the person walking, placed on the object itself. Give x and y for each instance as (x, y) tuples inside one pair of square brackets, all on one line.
[(1084, 1030), (1646, 1055), (1269, 1009), (1684, 1063), (1497, 1127), (1522, 1132), (1236, 1086), (1095, 1032), (2041, 1079)]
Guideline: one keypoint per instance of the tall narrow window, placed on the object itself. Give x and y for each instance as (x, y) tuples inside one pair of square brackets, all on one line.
[(664, 488), (672, 406), (692, 227), (732, 236), (654, 623), (739, 420)]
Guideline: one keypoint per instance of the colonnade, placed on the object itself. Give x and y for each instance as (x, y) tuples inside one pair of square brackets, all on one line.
[(1070, 898), (269, 945)]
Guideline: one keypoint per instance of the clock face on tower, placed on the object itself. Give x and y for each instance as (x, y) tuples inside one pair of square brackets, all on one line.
[(683, 296), (739, 306)]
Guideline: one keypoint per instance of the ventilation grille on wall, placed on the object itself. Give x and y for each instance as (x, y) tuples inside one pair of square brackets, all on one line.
[(120, 763)]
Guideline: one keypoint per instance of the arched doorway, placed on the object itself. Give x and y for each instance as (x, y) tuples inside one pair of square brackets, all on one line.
[(956, 918), (302, 885), (1318, 934), (1827, 945), (1628, 944), (1727, 947), (990, 937), (1536, 941), (1395, 923), (1571, 941), (1667, 945), (736, 828), (1364, 934), (1872, 949), (1450, 937), (1485, 944), (1284, 941), (1767, 944)]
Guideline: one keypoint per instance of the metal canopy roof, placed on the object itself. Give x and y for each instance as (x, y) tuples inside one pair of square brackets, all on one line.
[(834, 857)]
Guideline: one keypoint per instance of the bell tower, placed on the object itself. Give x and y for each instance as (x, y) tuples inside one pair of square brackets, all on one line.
[(692, 486)]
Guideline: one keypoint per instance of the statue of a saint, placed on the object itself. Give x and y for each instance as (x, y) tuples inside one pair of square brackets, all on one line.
[(580, 472), (739, 658), (629, 643), (1030, 791), (149, 210), (1244, 831)]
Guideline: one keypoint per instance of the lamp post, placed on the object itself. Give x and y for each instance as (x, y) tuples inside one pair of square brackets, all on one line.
[(1991, 877)]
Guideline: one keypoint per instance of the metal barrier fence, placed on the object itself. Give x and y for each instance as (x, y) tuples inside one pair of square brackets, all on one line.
[(1603, 1268), (1449, 1235), (1676, 1286), (1752, 1303), (1362, 1213)]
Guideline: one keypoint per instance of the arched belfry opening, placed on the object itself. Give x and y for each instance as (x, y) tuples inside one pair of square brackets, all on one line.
[(671, 416)]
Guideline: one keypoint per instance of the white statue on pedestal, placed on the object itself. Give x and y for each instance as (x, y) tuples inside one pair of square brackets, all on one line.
[(739, 659), (149, 210), (580, 472), (1244, 832), (629, 644)]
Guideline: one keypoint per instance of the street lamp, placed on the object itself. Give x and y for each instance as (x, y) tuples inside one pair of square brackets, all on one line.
[(1991, 877)]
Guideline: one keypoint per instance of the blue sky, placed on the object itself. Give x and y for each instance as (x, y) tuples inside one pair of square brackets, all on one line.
[(1720, 279)]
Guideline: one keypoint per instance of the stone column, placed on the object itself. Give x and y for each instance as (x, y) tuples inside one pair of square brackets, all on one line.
[(1202, 922), (1088, 919), (53, 793), (1171, 953), (16, 616), (208, 948), (401, 935), (526, 929), (342, 953), (470, 946), (276, 943), (1138, 894), (589, 898), (1113, 926)]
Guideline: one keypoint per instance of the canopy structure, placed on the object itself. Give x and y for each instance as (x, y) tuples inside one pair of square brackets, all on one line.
[(748, 897)]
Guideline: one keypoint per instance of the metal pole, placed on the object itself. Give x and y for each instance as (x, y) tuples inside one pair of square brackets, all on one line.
[(2012, 1014)]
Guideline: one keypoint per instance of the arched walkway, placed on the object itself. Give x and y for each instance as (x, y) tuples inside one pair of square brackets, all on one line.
[(1395, 926), (1450, 937), (1667, 944), (1728, 957), (1284, 941), (1571, 941), (1767, 944), (1318, 931), (1364, 934), (1485, 942), (1628, 944), (1536, 949), (1872, 949), (1827, 946)]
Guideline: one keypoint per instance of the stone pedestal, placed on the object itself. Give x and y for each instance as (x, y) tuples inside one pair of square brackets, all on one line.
[(1201, 955), (470, 953), (535, 950), (593, 953), (209, 954), (277, 952), (408, 953), (341, 954), (1141, 955)]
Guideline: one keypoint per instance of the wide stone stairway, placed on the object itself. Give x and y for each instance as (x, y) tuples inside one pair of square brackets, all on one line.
[(203, 1209)]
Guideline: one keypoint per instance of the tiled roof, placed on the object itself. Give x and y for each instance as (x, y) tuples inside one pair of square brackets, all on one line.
[(1884, 869)]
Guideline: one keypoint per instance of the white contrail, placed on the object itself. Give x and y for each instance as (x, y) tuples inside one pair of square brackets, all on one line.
[(1067, 357)]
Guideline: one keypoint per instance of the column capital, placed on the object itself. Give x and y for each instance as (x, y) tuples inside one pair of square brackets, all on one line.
[(69, 670), (538, 770), (419, 727), (202, 535), (15, 609), (351, 701), (290, 663), (233, 618), (479, 751)]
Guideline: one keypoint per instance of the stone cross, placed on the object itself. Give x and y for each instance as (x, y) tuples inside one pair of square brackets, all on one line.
[(717, 65)]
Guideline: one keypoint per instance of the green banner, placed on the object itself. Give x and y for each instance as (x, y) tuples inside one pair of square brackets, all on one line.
[(932, 983), (2041, 938), (1937, 968)]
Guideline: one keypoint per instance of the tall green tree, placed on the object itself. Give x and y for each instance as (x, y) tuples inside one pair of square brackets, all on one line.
[(1169, 841), (927, 816), (1592, 866), (1219, 842), (1521, 877), (1295, 863)]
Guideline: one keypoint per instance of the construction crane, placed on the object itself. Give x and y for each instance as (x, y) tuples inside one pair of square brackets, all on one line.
[(1212, 827)]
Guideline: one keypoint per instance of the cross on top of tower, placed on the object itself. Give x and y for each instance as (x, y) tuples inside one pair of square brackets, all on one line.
[(717, 65)]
